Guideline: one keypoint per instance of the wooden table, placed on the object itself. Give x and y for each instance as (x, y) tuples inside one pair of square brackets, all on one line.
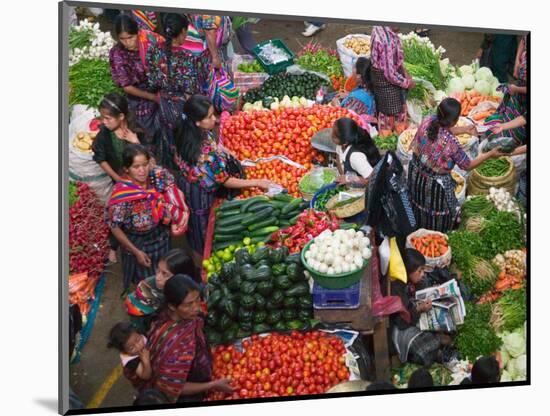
[(362, 321)]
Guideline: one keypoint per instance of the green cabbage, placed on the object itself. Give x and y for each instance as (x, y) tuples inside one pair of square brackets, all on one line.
[(518, 368), (468, 80), (466, 70), (455, 85), (484, 74), (514, 343), (482, 87), (505, 376)]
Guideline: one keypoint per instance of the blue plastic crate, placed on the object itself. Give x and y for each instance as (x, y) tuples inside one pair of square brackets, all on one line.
[(347, 298)]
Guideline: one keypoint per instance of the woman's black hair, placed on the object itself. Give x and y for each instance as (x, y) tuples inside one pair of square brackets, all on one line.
[(131, 151), (178, 287), (178, 262), (486, 370), (172, 24), (448, 112), (119, 335), (413, 260), (150, 397), (188, 136), (363, 68), (116, 104), (420, 378), (380, 385), (125, 24), (351, 133)]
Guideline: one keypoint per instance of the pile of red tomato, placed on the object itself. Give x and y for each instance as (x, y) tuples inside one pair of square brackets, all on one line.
[(281, 365), (285, 132), (276, 171)]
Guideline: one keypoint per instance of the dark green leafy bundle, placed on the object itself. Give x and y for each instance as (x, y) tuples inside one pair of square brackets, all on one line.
[(73, 193), (321, 61), (89, 81), (80, 38), (502, 232), (513, 304), (386, 143), (477, 206), (422, 62), (477, 337)]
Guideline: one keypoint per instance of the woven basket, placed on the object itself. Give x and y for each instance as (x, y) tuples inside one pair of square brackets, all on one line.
[(348, 210), (480, 185)]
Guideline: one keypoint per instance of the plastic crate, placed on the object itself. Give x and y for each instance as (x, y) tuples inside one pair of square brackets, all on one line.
[(336, 298), (274, 68), (246, 80)]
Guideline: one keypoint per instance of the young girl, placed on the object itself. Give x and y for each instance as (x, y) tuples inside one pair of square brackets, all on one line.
[(134, 355), (142, 304)]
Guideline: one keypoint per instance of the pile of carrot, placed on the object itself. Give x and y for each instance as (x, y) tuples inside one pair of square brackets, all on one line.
[(81, 291), (431, 245), (503, 283), (470, 99)]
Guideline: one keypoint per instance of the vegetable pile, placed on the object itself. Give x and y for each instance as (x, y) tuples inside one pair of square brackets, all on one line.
[(503, 201), (504, 282), (470, 99), (285, 132), (276, 171), (386, 143), (440, 374), (250, 67), (86, 41), (304, 85), (257, 217), (316, 58), (88, 245), (269, 103), (477, 337), (479, 80), (309, 224), (322, 199), (89, 81), (281, 365), (257, 293), (431, 245), (513, 262), (513, 354), (214, 263), (359, 45), (316, 179), (337, 252), (493, 168)]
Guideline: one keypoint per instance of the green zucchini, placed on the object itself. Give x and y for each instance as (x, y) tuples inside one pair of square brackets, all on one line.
[(259, 206), (229, 205), (251, 201), (257, 217), (264, 231), (278, 204), (262, 224), (283, 197), (291, 206), (229, 213), (236, 219), (231, 229), (227, 237)]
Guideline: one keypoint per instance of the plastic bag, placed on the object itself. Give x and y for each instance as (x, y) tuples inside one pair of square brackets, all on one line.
[(348, 57), (414, 109), (431, 262), (507, 144)]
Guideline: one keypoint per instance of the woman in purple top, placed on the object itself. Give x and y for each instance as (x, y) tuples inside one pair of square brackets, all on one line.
[(436, 151), (390, 80), (129, 71)]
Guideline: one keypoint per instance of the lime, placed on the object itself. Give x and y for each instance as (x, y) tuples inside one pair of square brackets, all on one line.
[(232, 248), (205, 263), (247, 241), (261, 244), (210, 268), (227, 257), (219, 254)]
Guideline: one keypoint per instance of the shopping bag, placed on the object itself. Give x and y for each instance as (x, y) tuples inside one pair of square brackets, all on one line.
[(222, 90)]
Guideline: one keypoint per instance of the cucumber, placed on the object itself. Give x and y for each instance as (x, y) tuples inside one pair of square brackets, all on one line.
[(284, 224), (291, 206), (218, 238), (235, 203), (228, 213), (251, 201), (224, 244), (283, 197), (230, 229), (278, 204), (260, 239), (294, 219), (257, 217), (270, 221), (258, 206), (264, 231), (236, 219), (292, 214)]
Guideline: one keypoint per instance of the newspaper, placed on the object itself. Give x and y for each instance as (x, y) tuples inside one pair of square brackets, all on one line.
[(447, 310)]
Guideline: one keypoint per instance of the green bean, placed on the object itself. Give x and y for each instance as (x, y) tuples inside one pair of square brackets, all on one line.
[(494, 168)]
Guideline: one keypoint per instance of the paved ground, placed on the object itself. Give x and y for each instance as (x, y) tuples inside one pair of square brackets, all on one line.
[(96, 379)]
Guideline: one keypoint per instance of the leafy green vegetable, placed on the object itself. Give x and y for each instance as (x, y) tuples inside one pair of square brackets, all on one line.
[(440, 374), (502, 232), (477, 337), (89, 81), (421, 61), (73, 193), (493, 168), (477, 206), (321, 61), (386, 143), (314, 181), (80, 38), (513, 303)]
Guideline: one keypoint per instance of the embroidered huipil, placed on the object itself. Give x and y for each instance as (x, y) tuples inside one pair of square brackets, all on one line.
[(387, 55)]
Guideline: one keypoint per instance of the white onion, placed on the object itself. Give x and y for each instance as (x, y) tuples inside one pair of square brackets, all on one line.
[(366, 242), (323, 268), (349, 258), (329, 258), (337, 269), (307, 255), (358, 260), (366, 253), (337, 261), (330, 270), (345, 268), (359, 234)]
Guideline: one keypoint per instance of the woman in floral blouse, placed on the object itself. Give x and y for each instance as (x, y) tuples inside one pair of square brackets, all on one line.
[(139, 213), (436, 151), (390, 80), (202, 166), (129, 70)]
